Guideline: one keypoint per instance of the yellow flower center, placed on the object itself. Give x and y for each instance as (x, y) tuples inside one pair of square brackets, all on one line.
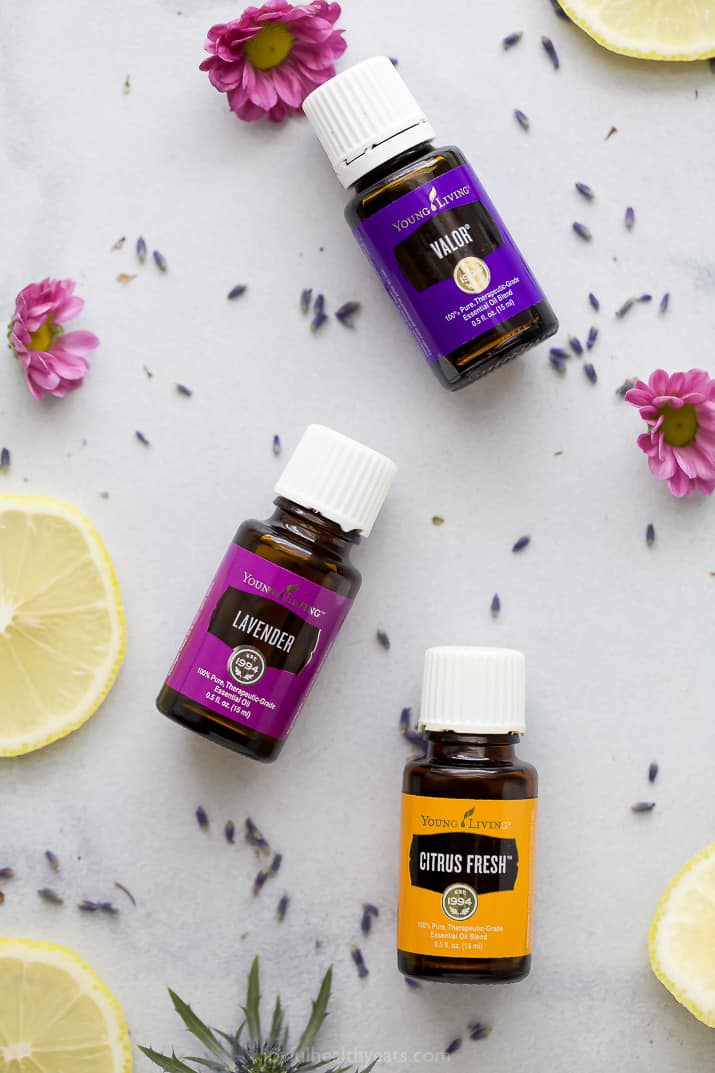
[(42, 338), (269, 47), (679, 425)]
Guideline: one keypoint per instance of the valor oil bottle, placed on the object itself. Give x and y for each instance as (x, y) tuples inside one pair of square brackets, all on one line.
[(278, 600), (468, 824), (427, 225)]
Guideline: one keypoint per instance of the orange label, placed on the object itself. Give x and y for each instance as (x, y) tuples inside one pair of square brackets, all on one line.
[(466, 877)]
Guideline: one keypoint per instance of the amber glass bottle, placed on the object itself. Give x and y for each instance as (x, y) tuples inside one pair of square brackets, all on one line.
[(278, 599), (428, 226), (468, 824)]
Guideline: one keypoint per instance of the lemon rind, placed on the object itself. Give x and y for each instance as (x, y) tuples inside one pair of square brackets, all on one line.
[(64, 957), (632, 50), (100, 555), (675, 990)]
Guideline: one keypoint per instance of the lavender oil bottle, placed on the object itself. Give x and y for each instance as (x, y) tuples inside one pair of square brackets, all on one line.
[(427, 225), (278, 600)]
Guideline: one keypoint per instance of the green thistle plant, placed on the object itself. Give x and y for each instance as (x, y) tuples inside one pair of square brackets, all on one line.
[(248, 1050)]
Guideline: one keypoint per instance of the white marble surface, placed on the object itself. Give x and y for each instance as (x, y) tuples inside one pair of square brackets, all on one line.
[(619, 638)]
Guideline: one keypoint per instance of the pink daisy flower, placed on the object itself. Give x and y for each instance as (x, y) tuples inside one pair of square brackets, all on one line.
[(268, 60), (51, 360), (679, 410)]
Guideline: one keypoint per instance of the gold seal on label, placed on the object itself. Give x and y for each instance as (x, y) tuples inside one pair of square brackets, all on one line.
[(472, 275)]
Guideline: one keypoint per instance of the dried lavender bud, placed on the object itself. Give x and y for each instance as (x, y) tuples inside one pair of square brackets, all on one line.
[(644, 298), (495, 605), (142, 438), (202, 817), (650, 534), (585, 191), (405, 717), (557, 362), (551, 52), (6, 872), (383, 640), (393, 60), (305, 299), (184, 390), (282, 909), (254, 837), (590, 372), (412, 983), (625, 308), (453, 1046), (346, 313), (276, 445), (319, 303), (318, 320), (366, 922), (275, 863), (371, 908), (4, 458), (522, 119), (576, 345), (625, 388), (522, 542), (643, 806), (108, 907), (259, 881), (511, 39), (630, 218), (141, 250), (582, 231), (356, 954), (558, 10), (87, 907), (478, 1031), (592, 337), (415, 738), (49, 895), (236, 291), (437, 519), (559, 352), (595, 304), (652, 772), (665, 302), (160, 261), (230, 832), (53, 860)]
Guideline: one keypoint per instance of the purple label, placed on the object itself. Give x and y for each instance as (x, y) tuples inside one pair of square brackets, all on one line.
[(448, 262), (257, 643)]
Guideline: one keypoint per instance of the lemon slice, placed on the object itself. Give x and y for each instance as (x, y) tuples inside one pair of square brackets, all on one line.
[(56, 1015), (61, 622), (648, 29), (681, 942)]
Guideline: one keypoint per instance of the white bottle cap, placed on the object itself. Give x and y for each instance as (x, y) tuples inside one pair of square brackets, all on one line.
[(338, 477), (364, 116), (473, 690)]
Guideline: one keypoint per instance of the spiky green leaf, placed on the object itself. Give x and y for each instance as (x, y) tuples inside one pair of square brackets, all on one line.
[(252, 1007), (170, 1065), (276, 1024), (197, 1027), (318, 1013)]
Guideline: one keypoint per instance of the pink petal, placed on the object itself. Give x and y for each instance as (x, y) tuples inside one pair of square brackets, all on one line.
[(75, 344), (658, 382), (680, 485)]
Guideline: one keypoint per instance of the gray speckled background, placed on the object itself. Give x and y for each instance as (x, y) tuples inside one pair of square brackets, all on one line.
[(618, 637)]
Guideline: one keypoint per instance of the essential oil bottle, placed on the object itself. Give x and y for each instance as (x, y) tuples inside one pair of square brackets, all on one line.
[(468, 824), (427, 225), (279, 597)]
